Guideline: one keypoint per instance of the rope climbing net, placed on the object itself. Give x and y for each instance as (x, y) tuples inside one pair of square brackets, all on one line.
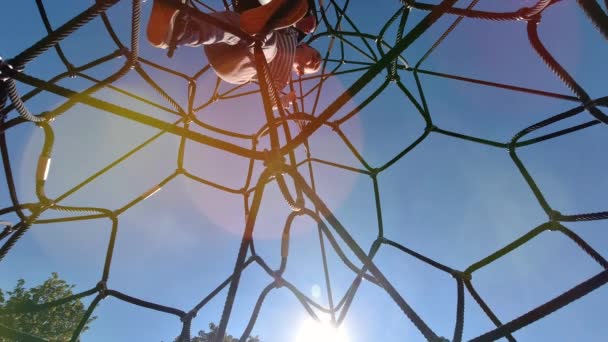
[(282, 145)]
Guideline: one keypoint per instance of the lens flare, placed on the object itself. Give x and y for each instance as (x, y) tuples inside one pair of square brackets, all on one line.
[(313, 331)]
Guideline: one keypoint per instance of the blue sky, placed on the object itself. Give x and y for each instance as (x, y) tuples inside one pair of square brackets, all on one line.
[(452, 200)]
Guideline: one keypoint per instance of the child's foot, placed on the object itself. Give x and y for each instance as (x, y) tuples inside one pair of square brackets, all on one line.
[(275, 15), (162, 23)]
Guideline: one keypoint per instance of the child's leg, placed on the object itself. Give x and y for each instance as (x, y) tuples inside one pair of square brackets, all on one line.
[(273, 15), (199, 32), (167, 21)]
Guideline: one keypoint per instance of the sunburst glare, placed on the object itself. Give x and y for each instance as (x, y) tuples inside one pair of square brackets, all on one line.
[(323, 331)]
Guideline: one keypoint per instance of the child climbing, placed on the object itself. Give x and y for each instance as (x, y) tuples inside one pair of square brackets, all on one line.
[(229, 54)]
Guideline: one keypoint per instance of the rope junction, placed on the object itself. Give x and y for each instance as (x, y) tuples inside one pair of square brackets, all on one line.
[(281, 163)]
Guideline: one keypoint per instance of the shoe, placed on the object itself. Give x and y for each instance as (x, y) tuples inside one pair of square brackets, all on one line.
[(162, 23), (275, 15)]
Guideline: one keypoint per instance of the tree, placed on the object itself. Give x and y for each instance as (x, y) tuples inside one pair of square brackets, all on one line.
[(57, 323), (204, 336)]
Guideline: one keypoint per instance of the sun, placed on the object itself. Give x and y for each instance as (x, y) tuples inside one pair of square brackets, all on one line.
[(313, 331)]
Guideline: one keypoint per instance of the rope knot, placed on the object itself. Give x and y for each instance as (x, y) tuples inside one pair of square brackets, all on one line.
[(71, 69), (47, 203), (124, 52), (47, 117), (393, 77), (273, 161), (5, 66), (408, 3), (334, 125), (102, 288), (523, 13), (462, 275), (554, 216), (589, 105), (188, 316), (534, 18), (278, 280)]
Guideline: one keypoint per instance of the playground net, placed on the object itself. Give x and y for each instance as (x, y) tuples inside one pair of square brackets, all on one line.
[(282, 144)]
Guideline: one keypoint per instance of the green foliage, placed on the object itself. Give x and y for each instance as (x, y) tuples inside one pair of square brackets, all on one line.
[(204, 336), (55, 324)]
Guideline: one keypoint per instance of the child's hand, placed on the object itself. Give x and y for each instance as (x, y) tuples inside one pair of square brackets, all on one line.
[(287, 100), (299, 70), (307, 24)]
